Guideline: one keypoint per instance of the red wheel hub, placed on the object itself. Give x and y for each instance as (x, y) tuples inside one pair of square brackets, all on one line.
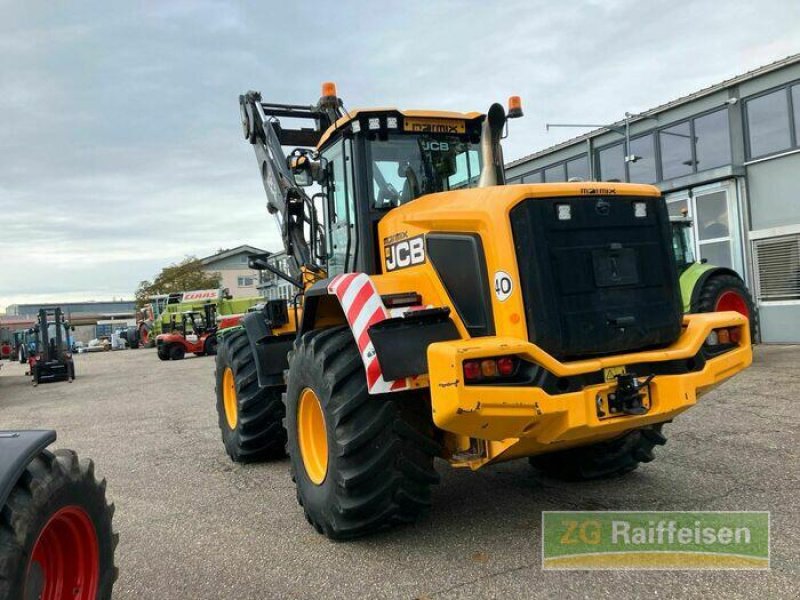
[(144, 335), (734, 301), (65, 562)]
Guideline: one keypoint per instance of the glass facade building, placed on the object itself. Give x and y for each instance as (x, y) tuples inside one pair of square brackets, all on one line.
[(726, 156)]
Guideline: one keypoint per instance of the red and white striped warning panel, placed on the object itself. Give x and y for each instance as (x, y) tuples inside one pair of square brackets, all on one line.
[(363, 308)]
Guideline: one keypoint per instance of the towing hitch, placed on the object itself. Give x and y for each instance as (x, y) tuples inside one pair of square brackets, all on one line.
[(628, 397)]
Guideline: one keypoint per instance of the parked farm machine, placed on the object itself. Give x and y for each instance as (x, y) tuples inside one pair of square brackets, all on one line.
[(440, 313)]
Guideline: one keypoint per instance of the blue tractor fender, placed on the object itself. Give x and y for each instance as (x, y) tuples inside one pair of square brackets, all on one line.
[(17, 450)]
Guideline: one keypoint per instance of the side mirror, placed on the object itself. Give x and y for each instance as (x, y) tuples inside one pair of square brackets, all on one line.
[(301, 170)]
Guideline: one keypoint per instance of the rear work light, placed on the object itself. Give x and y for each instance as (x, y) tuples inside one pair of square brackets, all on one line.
[(490, 369), (724, 336)]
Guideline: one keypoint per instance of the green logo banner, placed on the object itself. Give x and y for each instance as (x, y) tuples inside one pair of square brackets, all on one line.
[(655, 540)]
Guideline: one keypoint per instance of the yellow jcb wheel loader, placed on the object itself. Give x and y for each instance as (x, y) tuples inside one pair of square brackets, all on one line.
[(441, 313)]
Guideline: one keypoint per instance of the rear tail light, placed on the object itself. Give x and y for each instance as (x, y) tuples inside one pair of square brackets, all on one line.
[(472, 370), (505, 366), (724, 336), (490, 369)]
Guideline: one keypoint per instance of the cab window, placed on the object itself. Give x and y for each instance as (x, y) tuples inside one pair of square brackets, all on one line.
[(341, 208)]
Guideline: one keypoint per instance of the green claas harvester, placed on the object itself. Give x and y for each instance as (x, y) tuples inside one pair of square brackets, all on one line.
[(158, 314)]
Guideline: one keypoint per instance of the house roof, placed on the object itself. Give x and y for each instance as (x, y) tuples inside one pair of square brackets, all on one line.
[(773, 66), (243, 249)]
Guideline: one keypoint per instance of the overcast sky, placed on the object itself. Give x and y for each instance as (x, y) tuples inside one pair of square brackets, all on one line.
[(120, 144)]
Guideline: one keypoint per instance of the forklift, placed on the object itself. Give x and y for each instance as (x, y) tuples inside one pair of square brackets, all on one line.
[(50, 355), (196, 334)]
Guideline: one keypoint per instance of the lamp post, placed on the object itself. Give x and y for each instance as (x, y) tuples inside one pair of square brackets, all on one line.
[(624, 131)]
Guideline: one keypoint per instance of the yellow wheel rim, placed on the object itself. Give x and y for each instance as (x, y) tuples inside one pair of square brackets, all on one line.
[(312, 436), (229, 398)]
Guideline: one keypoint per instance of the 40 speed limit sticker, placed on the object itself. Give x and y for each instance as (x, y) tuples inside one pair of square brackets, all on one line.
[(503, 285)]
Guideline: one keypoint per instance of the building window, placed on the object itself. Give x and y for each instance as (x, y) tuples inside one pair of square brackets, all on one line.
[(243, 259), (244, 281), (578, 168), (712, 140), (535, 177), (612, 163), (554, 174), (643, 168), (676, 150), (768, 123), (796, 113)]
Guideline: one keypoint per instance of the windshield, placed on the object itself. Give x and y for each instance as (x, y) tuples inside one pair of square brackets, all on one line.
[(405, 167), (683, 244)]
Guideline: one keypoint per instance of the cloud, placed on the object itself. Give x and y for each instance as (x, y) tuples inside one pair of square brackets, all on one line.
[(121, 149)]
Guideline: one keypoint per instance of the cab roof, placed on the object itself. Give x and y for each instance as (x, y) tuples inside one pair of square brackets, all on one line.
[(430, 114)]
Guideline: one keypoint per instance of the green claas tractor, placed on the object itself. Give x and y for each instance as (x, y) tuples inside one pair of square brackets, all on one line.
[(56, 536), (705, 287)]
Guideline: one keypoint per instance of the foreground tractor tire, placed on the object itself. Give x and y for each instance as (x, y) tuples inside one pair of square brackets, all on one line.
[(360, 462), (604, 460), (250, 416), (163, 352), (176, 352), (56, 539), (726, 292)]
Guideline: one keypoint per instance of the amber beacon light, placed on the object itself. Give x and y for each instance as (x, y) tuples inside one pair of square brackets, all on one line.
[(514, 107)]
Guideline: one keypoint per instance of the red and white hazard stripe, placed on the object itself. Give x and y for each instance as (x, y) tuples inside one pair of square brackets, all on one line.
[(363, 308)]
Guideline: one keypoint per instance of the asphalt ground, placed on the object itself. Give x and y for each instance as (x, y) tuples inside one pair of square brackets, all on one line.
[(194, 525)]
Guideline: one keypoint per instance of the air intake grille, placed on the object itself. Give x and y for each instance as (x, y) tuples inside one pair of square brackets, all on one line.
[(777, 262)]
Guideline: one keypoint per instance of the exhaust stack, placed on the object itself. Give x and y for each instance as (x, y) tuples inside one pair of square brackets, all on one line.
[(493, 172)]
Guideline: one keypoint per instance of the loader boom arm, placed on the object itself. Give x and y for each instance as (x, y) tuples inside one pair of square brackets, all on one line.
[(289, 202)]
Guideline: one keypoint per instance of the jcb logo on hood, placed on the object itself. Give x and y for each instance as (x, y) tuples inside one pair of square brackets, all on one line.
[(404, 253)]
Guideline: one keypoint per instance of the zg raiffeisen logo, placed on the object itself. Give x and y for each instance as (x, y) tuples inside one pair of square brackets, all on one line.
[(655, 540)]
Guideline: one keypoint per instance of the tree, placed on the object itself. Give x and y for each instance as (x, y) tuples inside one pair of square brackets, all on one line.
[(187, 275)]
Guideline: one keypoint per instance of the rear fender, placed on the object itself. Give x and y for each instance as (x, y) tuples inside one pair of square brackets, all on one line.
[(17, 450), (271, 351), (353, 299)]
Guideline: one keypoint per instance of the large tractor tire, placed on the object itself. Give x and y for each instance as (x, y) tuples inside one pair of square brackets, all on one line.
[(360, 462), (604, 460), (250, 416), (727, 292), (56, 538), (132, 337), (163, 352), (176, 352)]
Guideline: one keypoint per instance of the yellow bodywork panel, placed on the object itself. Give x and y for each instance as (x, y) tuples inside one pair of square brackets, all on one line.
[(482, 424), (515, 421), (519, 421), (483, 211)]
